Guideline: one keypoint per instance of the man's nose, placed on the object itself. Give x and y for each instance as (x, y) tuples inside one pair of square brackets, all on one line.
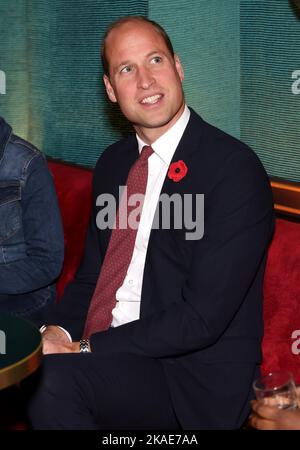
[(145, 78)]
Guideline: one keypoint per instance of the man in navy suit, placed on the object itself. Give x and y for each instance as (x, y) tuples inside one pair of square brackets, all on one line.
[(184, 343)]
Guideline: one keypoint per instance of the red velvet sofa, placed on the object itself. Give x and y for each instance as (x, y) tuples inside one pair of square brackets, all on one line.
[(282, 278)]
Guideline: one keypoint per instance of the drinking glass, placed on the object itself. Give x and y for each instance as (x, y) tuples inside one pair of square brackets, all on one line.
[(277, 389)]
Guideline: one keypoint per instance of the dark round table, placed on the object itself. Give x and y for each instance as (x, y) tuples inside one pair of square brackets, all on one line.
[(20, 350)]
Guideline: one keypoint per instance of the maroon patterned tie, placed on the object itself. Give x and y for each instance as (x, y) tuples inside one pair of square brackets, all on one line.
[(119, 252)]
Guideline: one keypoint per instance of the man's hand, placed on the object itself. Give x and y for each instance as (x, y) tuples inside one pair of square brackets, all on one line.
[(54, 333), (55, 340), (265, 417), (56, 346)]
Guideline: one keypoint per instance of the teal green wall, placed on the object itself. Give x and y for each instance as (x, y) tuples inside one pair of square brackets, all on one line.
[(239, 57), (270, 98), (55, 96), (206, 35)]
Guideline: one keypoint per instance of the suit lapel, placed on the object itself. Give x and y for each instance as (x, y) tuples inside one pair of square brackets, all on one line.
[(113, 180), (125, 161), (188, 145), (187, 150)]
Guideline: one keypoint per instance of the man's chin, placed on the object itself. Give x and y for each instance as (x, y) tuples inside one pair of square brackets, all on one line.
[(160, 118), (155, 123)]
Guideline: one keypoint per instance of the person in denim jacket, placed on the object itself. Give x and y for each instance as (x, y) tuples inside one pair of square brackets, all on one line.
[(31, 234)]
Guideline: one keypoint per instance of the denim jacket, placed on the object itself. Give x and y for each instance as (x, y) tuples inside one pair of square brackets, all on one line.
[(31, 234)]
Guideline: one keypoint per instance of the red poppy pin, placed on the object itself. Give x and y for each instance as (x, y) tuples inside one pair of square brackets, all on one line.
[(177, 171)]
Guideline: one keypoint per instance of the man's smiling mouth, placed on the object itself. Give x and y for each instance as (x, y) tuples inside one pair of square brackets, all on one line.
[(151, 100)]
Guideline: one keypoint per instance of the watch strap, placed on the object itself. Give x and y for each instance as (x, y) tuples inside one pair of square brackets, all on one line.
[(84, 346)]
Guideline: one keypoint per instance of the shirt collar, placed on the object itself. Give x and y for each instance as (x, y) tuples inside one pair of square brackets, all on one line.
[(166, 144)]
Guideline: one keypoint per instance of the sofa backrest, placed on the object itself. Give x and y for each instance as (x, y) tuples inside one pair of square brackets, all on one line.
[(74, 191), (282, 300)]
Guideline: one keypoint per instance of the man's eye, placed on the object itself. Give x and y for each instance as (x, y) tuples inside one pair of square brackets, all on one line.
[(126, 69), (156, 60)]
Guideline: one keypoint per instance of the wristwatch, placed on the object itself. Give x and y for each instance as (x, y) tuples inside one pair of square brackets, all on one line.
[(84, 346)]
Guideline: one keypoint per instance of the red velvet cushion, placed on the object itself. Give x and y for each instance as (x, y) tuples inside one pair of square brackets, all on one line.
[(282, 299), (74, 190)]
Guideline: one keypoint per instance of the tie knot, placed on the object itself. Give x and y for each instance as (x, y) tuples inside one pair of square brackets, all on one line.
[(146, 152)]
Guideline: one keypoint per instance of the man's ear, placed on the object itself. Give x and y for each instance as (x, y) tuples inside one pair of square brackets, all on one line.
[(179, 67), (109, 89)]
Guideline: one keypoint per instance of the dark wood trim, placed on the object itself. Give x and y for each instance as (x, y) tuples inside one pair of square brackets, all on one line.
[(286, 196)]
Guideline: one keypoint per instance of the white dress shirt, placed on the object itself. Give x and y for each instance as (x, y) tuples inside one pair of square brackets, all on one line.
[(128, 296)]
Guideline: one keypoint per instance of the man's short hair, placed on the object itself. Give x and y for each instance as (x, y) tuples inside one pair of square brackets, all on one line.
[(124, 20)]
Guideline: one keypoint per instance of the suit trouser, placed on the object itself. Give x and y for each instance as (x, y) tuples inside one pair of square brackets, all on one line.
[(85, 391)]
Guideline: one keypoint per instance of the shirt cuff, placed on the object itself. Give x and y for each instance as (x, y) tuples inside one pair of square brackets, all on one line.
[(43, 328)]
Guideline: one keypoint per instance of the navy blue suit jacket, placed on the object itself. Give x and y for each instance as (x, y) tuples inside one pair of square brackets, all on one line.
[(201, 302)]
